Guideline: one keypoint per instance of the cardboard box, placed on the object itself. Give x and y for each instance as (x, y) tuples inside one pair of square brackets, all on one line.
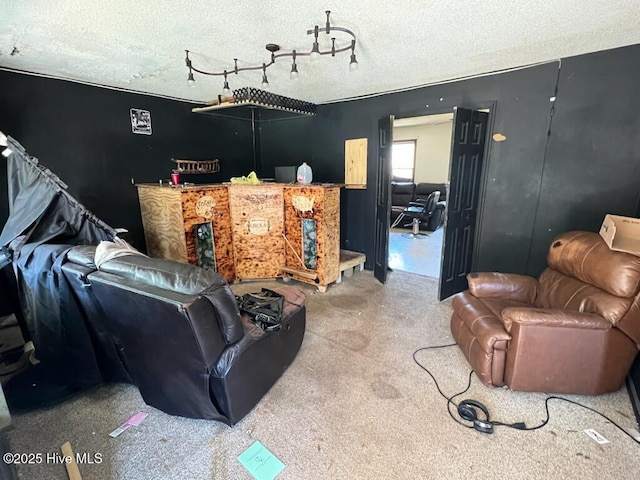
[(621, 233)]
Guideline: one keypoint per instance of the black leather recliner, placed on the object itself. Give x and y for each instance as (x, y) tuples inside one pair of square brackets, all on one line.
[(175, 330)]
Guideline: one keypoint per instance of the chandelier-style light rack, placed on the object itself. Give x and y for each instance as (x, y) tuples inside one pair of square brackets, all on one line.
[(314, 55)]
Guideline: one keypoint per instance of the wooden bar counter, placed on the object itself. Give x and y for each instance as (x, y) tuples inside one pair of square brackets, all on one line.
[(247, 231)]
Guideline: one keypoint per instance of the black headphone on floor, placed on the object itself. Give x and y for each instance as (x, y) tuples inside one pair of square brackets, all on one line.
[(467, 411), (467, 408)]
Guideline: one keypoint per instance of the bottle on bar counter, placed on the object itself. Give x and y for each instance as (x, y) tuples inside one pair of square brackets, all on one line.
[(305, 175)]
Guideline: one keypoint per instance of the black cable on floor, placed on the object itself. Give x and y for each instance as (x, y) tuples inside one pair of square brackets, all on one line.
[(554, 397), (517, 426), (448, 399)]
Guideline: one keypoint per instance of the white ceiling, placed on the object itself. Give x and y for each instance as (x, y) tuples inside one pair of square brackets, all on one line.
[(437, 119), (139, 45)]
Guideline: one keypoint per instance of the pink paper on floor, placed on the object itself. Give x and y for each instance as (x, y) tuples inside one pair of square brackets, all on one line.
[(136, 419)]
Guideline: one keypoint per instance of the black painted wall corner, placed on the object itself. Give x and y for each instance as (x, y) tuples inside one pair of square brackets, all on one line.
[(593, 160), (563, 165), (83, 134)]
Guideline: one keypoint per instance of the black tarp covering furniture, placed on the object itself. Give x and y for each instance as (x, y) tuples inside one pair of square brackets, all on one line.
[(174, 330), (40, 208), (44, 222)]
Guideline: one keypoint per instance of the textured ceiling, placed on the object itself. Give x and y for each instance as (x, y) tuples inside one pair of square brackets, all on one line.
[(140, 45), (437, 119)]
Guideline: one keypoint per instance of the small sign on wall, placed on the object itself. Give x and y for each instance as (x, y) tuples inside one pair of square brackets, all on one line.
[(140, 121)]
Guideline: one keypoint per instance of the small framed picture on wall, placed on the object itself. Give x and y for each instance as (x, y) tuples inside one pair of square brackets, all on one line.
[(140, 121)]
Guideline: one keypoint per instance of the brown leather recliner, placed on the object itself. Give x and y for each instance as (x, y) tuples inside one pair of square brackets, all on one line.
[(576, 329)]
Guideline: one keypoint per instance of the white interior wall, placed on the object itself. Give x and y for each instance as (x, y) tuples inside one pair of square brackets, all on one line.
[(433, 150)]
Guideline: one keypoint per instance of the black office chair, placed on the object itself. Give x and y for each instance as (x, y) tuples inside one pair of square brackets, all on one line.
[(416, 213)]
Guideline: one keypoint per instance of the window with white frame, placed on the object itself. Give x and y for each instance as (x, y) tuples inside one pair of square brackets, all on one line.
[(403, 159)]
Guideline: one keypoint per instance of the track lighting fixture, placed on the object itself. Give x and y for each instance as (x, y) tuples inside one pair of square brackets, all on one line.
[(353, 64), (225, 88), (314, 55), (190, 80), (294, 67), (265, 82)]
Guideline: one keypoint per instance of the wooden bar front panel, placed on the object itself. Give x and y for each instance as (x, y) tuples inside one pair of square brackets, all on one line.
[(257, 223), (210, 204), (321, 204), (331, 234), (161, 212)]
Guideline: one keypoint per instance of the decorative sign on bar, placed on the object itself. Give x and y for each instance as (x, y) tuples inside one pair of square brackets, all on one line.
[(259, 226), (205, 206), (303, 204)]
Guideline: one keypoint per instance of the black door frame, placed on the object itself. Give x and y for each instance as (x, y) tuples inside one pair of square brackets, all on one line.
[(488, 144), (383, 198)]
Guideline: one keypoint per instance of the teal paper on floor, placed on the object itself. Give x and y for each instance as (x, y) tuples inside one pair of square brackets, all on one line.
[(260, 462)]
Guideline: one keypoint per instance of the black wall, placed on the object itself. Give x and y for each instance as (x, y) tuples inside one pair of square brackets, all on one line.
[(540, 182), (593, 163), (83, 134), (564, 164)]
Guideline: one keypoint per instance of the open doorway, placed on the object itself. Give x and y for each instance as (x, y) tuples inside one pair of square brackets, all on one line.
[(421, 156), (464, 198)]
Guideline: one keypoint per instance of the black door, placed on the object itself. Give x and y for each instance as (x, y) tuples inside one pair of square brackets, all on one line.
[(383, 192), (465, 172)]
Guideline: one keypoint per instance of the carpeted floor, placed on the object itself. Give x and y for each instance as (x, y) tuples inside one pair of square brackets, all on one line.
[(353, 405)]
